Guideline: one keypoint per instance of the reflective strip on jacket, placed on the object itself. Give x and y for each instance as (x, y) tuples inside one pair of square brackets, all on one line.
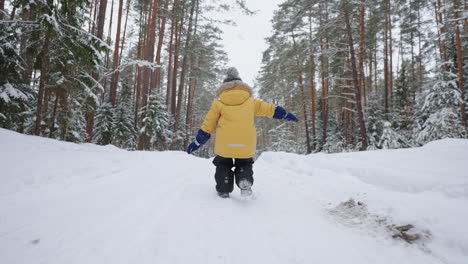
[(232, 117)]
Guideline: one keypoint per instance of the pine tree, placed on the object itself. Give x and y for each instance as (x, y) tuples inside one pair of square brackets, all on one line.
[(104, 128), (438, 114), (390, 139), (156, 123), (124, 131), (14, 92)]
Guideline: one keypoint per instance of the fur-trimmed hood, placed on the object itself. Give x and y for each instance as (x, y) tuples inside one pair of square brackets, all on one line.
[(234, 92)]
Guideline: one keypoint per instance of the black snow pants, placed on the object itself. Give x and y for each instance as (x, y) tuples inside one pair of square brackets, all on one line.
[(224, 175)]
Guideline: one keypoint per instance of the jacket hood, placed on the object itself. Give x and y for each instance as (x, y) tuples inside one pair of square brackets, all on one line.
[(234, 92)]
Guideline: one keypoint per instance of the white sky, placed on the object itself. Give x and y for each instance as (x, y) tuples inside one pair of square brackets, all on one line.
[(245, 43)]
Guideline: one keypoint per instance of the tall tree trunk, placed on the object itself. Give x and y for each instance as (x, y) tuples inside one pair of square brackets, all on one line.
[(160, 43), (143, 141), (125, 31), (54, 114), (361, 54), (357, 90), (306, 123), (390, 51), (176, 67), (169, 65), (324, 73), (42, 83), (89, 115), (94, 9), (439, 38), (63, 103), (2, 8), (101, 19), (370, 70), (442, 33), (115, 59), (184, 66), (420, 68), (189, 113), (313, 96), (459, 62), (386, 60)]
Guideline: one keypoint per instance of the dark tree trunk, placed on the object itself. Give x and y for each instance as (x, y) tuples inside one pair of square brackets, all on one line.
[(386, 61), (89, 116), (101, 18), (175, 68), (313, 96), (42, 84), (324, 73), (2, 8), (390, 50), (115, 59), (143, 141), (169, 66), (304, 111), (442, 33), (361, 54), (189, 114), (459, 62), (357, 90), (125, 31), (160, 43), (184, 66)]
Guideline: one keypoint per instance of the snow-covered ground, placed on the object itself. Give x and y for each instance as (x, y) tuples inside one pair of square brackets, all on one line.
[(67, 203)]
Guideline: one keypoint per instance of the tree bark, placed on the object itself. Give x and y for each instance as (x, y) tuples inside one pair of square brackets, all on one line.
[(125, 31), (160, 43), (390, 44), (357, 90), (386, 60), (442, 33), (143, 141), (89, 116), (2, 8), (361, 54), (306, 124), (420, 68), (175, 68), (42, 84), (184, 66), (324, 73), (169, 65), (313, 96), (189, 114), (459, 62), (101, 19), (115, 59)]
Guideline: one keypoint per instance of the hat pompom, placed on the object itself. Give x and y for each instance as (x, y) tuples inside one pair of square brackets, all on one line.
[(232, 73)]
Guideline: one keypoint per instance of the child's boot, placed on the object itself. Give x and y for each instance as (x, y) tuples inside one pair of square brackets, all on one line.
[(245, 187), (224, 176), (244, 175)]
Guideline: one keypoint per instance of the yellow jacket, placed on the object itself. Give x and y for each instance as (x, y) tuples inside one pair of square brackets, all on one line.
[(232, 117)]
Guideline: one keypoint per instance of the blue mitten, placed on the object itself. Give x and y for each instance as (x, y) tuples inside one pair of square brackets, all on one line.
[(280, 113), (291, 117), (201, 138)]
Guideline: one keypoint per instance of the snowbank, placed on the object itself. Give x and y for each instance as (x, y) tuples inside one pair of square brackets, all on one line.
[(81, 203)]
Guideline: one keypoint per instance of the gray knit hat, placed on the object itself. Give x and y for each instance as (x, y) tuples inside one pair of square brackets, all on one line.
[(232, 74)]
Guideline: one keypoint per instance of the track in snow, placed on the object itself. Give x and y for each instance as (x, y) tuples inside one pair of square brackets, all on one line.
[(69, 203)]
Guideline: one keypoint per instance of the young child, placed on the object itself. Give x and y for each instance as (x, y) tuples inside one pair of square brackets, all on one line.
[(232, 117)]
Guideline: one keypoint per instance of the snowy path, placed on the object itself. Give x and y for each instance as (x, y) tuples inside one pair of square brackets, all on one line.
[(67, 203)]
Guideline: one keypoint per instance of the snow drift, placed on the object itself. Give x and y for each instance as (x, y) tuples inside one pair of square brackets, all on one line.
[(81, 203)]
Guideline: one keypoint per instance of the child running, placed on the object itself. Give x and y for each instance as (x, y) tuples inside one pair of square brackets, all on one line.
[(232, 117)]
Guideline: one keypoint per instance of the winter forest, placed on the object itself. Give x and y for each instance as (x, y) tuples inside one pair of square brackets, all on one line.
[(141, 74)]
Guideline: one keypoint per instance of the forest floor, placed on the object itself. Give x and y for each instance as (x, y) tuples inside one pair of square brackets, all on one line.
[(81, 203)]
